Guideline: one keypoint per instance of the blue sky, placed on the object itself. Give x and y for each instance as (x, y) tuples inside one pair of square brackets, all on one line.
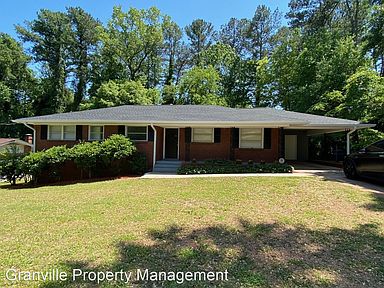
[(182, 11)]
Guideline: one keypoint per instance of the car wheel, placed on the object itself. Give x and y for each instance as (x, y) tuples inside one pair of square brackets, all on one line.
[(350, 169)]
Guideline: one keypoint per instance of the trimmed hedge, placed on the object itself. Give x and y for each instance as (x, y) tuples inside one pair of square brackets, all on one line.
[(231, 167)]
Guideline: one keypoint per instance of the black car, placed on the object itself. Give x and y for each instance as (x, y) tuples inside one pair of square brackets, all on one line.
[(368, 162)]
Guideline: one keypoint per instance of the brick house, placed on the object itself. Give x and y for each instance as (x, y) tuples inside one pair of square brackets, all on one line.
[(186, 132)]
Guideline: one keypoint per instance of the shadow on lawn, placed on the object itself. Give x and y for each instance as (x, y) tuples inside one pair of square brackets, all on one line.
[(255, 255), (8, 186), (377, 204)]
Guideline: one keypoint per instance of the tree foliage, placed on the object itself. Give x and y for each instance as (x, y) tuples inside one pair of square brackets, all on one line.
[(201, 86), (323, 62), (126, 92)]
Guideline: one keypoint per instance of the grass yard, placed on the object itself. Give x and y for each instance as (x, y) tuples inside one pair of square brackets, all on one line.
[(268, 232)]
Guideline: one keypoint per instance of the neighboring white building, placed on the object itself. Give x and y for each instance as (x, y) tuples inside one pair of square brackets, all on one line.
[(21, 146)]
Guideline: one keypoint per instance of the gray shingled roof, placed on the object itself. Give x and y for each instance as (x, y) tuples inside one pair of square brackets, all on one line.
[(158, 114)]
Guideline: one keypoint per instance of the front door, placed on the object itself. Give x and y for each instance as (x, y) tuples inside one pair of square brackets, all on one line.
[(291, 147), (171, 143)]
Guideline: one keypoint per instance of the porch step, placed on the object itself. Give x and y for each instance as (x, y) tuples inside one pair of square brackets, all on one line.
[(167, 166)]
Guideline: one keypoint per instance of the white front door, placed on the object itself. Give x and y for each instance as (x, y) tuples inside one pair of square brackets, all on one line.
[(291, 147)]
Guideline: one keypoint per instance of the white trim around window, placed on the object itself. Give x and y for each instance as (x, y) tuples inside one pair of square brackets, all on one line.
[(251, 138), (101, 133), (138, 133), (61, 135), (203, 135)]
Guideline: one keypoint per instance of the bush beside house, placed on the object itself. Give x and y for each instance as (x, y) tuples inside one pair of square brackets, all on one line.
[(114, 156)]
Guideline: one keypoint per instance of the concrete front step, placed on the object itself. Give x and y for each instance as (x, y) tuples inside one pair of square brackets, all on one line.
[(167, 166), (165, 169)]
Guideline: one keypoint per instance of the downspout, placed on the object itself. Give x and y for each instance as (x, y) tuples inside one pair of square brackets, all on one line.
[(348, 140), (154, 144), (34, 136)]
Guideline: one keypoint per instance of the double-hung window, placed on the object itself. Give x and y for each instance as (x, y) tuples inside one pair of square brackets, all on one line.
[(202, 135), (54, 132), (137, 133), (96, 133), (62, 132), (251, 138)]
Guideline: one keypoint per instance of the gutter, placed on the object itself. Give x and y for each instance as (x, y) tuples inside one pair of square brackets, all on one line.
[(154, 145), (348, 141)]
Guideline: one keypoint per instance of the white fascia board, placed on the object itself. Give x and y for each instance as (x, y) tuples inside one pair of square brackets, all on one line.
[(167, 123), (333, 126)]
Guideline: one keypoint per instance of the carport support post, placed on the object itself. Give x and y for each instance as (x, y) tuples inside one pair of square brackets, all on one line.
[(348, 140)]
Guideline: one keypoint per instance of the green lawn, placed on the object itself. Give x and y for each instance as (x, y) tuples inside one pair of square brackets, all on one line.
[(268, 232)]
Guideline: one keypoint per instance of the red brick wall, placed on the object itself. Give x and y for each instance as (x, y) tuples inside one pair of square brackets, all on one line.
[(222, 150), (201, 151), (109, 130), (257, 155), (182, 144), (147, 149)]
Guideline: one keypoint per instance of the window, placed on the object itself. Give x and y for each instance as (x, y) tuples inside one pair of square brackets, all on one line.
[(69, 132), (251, 138), (54, 132), (96, 133), (137, 133), (202, 135)]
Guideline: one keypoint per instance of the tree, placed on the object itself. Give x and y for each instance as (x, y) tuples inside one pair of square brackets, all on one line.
[(347, 17), (234, 79), (134, 39), (261, 31), (16, 84), (172, 40), (234, 34), (201, 35), (201, 86), (375, 38), (306, 69), (84, 37), (49, 36), (364, 97), (124, 92)]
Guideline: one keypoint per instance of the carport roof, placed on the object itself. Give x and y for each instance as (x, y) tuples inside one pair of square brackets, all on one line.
[(192, 115)]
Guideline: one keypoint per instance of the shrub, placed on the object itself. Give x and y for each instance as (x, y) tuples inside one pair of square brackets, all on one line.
[(137, 163), (86, 156), (55, 157), (10, 166), (116, 147), (111, 154), (230, 167), (113, 149), (34, 164), (49, 161)]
